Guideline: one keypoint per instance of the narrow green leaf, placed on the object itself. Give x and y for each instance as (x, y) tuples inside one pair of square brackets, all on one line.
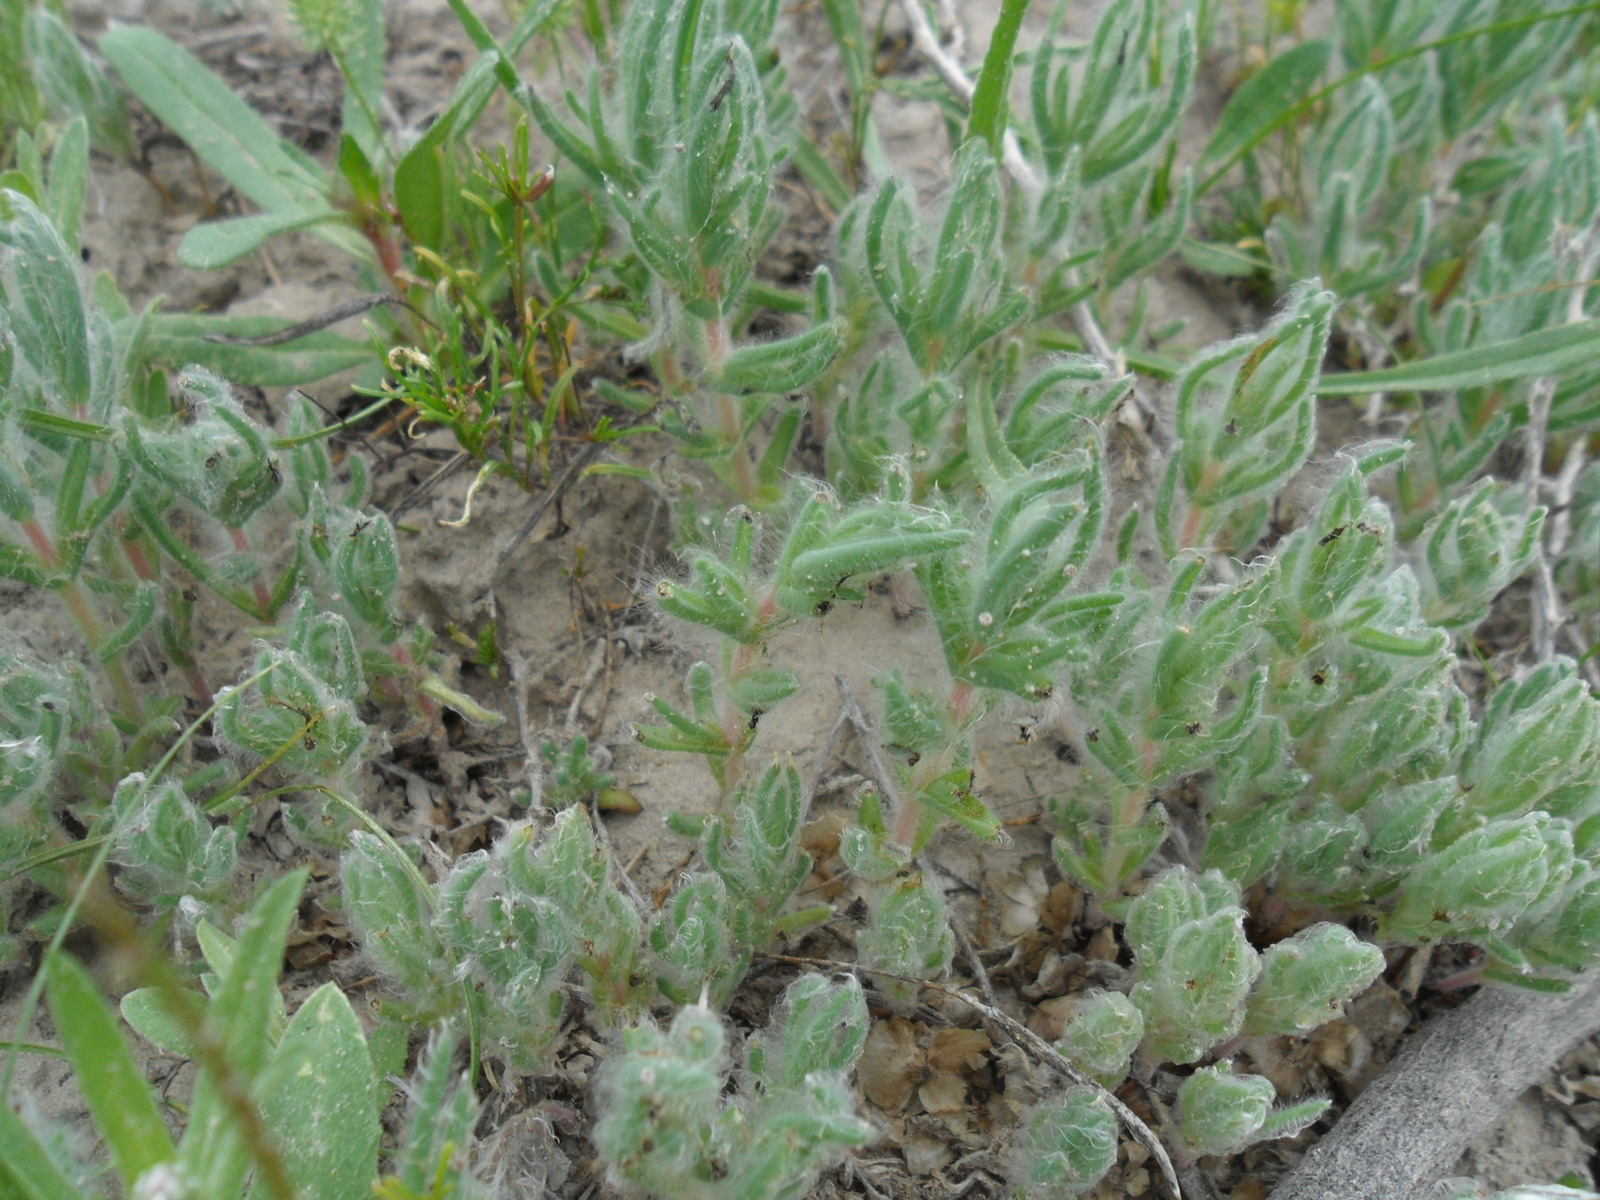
[(246, 1002), (119, 1099), (69, 178), (1218, 258), (419, 188), (505, 70), (217, 243), (44, 304), (221, 128), (820, 174), (141, 611), (988, 117), (1293, 111), (70, 82), (1263, 98), (362, 62), (178, 339), (1543, 352), (36, 420), (240, 1017), (784, 365)]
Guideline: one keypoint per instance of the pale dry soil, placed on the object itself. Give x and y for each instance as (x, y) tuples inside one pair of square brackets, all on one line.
[(582, 650)]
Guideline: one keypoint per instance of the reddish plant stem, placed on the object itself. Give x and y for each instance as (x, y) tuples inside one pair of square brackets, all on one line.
[(257, 587), (82, 612)]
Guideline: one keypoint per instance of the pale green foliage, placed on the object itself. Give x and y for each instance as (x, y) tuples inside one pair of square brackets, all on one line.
[(665, 1128), (1306, 979), (303, 710), (113, 495), (1101, 1034), (1065, 1146), (35, 722), (166, 848), (816, 1026), (441, 1112), (1537, 747), (692, 941), (909, 934), (1246, 419), (310, 1078), (1098, 124), (1198, 981), (324, 24), (1294, 669), (946, 297), (575, 774), (217, 459), (704, 938), (1471, 551), (683, 133), (1484, 880), (1219, 1112), (1192, 963), (510, 924)]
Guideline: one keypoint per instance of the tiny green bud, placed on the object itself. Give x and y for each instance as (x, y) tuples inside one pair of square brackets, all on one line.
[(366, 568), (1538, 747), (394, 920), (166, 848), (817, 1026), (1220, 1112), (909, 935), (1471, 551), (324, 24), (694, 945), (1483, 881), (1067, 1144), (576, 774), (1102, 1032), (221, 460), (1306, 979), (1192, 961), (293, 716)]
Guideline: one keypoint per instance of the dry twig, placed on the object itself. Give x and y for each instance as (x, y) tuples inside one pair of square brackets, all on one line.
[(1028, 1040)]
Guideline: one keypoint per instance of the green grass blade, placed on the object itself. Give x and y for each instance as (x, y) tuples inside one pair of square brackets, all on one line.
[(1543, 352), (120, 1100)]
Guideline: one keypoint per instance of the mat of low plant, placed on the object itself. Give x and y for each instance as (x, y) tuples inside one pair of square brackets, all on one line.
[(1331, 703)]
